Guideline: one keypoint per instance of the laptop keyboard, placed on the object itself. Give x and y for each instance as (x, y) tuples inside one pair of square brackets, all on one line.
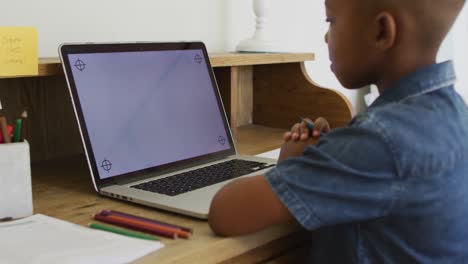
[(196, 179)]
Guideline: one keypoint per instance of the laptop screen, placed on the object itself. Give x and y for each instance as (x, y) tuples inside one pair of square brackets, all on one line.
[(143, 109)]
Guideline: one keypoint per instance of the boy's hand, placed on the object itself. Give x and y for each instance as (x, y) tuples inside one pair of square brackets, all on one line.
[(301, 131), (292, 149)]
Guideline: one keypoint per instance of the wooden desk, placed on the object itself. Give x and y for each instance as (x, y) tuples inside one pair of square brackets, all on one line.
[(63, 189), (263, 95)]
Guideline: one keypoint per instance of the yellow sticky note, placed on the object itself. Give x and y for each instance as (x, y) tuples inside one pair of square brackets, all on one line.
[(18, 51)]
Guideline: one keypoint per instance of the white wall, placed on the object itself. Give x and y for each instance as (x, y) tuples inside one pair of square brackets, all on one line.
[(455, 48), (118, 20), (460, 52)]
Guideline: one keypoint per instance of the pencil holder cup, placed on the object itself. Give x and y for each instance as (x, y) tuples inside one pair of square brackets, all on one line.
[(15, 180)]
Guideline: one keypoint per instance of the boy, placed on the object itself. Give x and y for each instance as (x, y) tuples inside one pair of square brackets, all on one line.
[(392, 186)]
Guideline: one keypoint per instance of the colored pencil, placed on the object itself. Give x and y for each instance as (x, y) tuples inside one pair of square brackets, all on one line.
[(113, 221), (17, 131), (186, 229), (139, 223), (4, 126), (23, 117), (310, 125), (121, 231)]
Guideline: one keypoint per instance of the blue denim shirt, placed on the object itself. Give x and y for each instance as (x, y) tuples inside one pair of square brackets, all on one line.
[(392, 186)]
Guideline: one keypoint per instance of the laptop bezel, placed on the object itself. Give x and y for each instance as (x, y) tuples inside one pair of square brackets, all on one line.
[(77, 48)]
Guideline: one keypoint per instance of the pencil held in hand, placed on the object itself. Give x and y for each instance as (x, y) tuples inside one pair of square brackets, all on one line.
[(307, 129), (318, 128)]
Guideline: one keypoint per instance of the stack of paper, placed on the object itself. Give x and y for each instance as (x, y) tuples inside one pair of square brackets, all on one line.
[(43, 239)]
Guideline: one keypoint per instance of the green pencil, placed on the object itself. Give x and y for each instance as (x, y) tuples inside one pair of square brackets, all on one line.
[(121, 231), (17, 132)]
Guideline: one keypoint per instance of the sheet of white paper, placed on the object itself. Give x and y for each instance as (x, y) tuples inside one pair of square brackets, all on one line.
[(41, 239), (274, 154)]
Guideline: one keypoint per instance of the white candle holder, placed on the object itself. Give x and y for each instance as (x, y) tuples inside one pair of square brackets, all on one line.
[(262, 40)]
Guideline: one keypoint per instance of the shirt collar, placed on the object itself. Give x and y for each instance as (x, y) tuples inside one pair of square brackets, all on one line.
[(424, 80)]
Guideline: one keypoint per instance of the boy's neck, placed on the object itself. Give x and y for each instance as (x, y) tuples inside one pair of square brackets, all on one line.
[(402, 65)]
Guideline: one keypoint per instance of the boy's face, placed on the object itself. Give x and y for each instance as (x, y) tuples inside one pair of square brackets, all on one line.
[(348, 41)]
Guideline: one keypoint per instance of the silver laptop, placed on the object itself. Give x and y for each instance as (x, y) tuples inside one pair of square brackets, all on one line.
[(153, 125)]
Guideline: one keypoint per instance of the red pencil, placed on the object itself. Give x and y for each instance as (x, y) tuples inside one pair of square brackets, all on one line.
[(6, 132), (153, 226), (109, 220), (186, 229)]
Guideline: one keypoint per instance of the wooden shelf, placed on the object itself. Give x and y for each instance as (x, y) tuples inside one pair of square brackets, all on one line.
[(245, 59), (52, 67)]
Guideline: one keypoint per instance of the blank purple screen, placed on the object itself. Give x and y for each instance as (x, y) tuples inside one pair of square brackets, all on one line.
[(144, 109)]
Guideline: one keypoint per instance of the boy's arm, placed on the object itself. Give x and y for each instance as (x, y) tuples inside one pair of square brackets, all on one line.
[(249, 204), (246, 205)]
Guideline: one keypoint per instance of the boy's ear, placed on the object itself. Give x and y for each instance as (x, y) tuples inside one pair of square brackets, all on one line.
[(386, 30)]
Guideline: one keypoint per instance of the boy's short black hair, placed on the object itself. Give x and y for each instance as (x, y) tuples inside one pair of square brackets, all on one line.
[(433, 18)]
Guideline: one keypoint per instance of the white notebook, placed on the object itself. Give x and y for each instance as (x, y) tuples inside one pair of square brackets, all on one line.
[(42, 239)]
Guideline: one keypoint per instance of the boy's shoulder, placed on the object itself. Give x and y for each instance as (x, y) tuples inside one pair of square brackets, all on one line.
[(421, 104), (425, 132), (436, 113)]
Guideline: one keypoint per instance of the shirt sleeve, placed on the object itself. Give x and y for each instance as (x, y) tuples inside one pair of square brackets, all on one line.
[(348, 176)]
